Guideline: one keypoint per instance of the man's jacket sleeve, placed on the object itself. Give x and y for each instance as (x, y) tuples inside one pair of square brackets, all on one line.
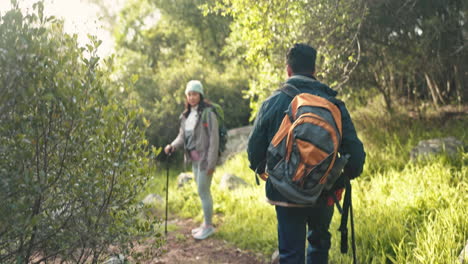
[(258, 142), (351, 145)]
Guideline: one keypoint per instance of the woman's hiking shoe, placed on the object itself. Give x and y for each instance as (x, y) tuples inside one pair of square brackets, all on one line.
[(196, 230), (204, 233)]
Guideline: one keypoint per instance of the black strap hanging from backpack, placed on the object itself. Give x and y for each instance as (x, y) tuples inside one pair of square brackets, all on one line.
[(347, 210)]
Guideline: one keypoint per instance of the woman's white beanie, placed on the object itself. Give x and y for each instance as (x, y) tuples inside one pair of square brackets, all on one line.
[(194, 86)]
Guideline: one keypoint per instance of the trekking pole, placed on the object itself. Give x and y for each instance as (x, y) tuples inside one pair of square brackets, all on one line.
[(167, 191), (353, 239)]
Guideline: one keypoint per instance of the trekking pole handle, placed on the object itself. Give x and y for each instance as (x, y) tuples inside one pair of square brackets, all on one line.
[(169, 149)]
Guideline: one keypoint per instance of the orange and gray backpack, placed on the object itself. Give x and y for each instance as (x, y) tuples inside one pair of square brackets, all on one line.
[(302, 159)]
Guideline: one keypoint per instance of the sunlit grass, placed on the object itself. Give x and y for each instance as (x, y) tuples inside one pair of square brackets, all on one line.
[(417, 215), (405, 211)]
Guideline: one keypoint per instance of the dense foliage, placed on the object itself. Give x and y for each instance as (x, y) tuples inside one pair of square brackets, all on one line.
[(409, 52), (164, 44), (262, 31), (416, 50), (72, 159), (412, 49)]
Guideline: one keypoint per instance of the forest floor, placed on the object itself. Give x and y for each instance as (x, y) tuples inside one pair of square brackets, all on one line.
[(181, 247)]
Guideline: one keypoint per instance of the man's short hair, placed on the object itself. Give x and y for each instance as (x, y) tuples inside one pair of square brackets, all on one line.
[(301, 58)]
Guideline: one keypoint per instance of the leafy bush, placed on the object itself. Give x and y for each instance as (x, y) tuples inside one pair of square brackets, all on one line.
[(184, 44), (72, 159)]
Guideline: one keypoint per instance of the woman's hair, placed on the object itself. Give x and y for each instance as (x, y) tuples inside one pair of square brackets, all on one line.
[(204, 103)]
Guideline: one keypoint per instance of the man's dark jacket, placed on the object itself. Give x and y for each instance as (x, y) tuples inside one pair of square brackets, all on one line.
[(269, 119)]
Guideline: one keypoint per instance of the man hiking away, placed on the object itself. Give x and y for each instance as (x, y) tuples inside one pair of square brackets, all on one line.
[(297, 213)]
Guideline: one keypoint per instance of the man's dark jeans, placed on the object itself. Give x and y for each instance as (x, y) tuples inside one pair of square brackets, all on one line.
[(292, 222)]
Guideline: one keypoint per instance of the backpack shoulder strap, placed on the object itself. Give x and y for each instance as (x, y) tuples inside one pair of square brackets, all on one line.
[(205, 113), (290, 90)]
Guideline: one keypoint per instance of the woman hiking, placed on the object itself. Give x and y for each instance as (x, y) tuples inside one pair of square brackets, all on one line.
[(199, 138)]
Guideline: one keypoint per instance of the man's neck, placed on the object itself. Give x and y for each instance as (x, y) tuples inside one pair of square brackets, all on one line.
[(310, 75)]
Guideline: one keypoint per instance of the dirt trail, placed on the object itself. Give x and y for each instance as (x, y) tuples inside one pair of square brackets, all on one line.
[(182, 248)]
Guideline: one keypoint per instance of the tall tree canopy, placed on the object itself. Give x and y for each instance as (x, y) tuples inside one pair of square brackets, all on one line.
[(262, 31), (416, 48)]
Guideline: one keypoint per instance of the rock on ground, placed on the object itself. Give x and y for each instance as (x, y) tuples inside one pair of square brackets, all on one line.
[(449, 145)]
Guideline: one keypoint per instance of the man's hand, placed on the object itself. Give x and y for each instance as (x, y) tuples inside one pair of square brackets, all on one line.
[(210, 172)]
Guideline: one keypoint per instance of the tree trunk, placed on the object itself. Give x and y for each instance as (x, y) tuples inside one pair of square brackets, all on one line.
[(431, 89), (384, 89)]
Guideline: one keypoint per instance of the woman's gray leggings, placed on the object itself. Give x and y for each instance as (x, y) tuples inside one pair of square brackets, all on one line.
[(204, 183)]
